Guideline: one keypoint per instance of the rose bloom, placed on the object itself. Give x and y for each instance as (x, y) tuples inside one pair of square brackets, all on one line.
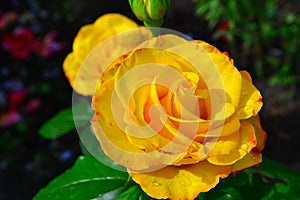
[(176, 113), (19, 43), (179, 116)]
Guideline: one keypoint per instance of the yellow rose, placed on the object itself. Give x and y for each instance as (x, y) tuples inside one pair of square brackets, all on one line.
[(179, 116), (84, 78)]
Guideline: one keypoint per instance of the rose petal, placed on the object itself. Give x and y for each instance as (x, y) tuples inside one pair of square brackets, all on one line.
[(191, 156), (247, 142), (207, 127), (250, 99), (249, 160), (184, 182), (261, 135), (223, 145), (230, 75), (162, 42), (144, 113)]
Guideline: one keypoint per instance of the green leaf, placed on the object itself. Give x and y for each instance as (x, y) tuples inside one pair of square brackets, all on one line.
[(58, 125), (87, 179), (212, 11), (285, 181), (144, 196), (132, 193), (63, 122), (112, 195), (202, 7), (90, 146), (270, 180)]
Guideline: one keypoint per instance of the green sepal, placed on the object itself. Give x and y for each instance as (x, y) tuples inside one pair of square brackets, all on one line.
[(157, 23), (139, 9)]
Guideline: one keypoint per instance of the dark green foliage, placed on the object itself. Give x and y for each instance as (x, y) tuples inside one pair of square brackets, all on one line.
[(89, 179), (63, 122), (261, 33)]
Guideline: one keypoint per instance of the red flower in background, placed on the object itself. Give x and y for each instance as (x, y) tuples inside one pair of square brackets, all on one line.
[(12, 115), (49, 46), (17, 98), (18, 105), (19, 43), (224, 25), (222, 29)]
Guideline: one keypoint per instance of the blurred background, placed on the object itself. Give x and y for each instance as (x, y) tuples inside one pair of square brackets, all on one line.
[(262, 36)]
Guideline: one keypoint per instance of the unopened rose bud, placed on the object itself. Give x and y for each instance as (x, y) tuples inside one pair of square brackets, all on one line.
[(151, 12)]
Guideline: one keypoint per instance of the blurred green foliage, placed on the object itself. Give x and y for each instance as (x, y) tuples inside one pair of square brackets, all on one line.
[(265, 34)]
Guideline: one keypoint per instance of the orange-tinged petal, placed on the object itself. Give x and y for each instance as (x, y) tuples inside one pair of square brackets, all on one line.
[(250, 99), (247, 142), (261, 135), (184, 182), (165, 101), (246, 75), (253, 158)]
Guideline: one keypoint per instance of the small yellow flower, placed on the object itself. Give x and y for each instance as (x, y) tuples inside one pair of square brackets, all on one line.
[(179, 116), (88, 37)]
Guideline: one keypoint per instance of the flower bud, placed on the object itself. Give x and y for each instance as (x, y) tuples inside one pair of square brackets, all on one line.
[(151, 12)]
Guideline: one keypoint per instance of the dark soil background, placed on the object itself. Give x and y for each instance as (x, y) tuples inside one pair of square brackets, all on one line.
[(28, 162)]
